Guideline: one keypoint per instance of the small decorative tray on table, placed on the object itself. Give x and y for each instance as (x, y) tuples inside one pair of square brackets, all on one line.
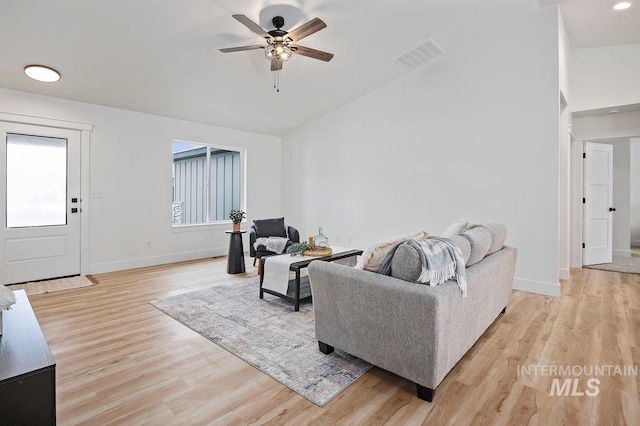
[(318, 252)]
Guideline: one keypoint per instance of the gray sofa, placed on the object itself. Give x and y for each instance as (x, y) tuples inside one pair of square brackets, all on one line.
[(414, 330)]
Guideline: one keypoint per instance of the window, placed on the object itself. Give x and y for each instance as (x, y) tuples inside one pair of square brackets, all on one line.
[(36, 181), (207, 183)]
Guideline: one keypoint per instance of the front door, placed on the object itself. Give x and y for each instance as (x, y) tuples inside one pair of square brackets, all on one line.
[(598, 212), (40, 190)]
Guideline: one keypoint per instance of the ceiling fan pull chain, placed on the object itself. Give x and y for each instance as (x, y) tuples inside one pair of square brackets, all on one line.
[(276, 81)]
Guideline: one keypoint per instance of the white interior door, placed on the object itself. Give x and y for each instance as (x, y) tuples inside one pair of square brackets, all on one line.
[(598, 200), (40, 189)]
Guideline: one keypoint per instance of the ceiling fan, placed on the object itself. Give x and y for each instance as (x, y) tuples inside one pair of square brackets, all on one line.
[(280, 43)]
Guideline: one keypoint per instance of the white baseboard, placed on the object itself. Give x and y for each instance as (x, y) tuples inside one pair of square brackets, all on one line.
[(538, 287), (121, 265), (564, 274), (622, 253)]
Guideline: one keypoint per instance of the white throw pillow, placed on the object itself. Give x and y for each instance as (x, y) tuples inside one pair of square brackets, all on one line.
[(456, 228), (372, 258)]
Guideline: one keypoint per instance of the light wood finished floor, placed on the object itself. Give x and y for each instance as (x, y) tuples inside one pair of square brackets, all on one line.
[(121, 361)]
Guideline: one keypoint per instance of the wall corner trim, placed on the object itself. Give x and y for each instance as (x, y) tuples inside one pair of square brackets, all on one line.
[(564, 274)]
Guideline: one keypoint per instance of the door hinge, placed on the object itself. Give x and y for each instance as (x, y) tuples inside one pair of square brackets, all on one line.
[(584, 200), (583, 246), (584, 155)]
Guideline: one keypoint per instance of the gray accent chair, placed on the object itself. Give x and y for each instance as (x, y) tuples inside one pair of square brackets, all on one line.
[(269, 228), (414, 330)]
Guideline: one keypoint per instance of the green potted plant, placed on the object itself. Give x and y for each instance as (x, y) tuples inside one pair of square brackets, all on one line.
[(236, 217)]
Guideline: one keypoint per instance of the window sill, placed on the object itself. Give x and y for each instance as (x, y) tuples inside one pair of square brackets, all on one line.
[(195, 227)]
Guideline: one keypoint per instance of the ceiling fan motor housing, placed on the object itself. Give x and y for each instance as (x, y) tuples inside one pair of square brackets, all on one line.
[(278, 22)]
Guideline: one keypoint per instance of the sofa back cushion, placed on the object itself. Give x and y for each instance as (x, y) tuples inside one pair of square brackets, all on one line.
[(480, 241), (498, 235), (373, 257), (270, 227), (406, 264), (463, 244)]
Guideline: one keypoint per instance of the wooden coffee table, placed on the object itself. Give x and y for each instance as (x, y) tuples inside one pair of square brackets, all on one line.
[(299, 287)]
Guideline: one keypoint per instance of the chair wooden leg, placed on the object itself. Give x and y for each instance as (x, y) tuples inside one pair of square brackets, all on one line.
[(254, 261), (259, 267)]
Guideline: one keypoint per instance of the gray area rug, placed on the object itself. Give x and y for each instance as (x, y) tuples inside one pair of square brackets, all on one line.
[(267, 334), (627, 265)]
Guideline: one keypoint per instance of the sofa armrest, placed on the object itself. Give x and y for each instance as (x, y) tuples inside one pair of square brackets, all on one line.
[(394, 324), (252, 240), (293, 234)]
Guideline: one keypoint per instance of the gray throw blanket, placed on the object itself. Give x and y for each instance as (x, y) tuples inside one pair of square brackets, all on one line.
[(273, 244), (441, 261)]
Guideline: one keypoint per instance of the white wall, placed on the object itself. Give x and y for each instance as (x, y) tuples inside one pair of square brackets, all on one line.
[(635, 191), (621, 199), (131, 163), (606, 126), (605, 76), (474, 135), (564, 158)]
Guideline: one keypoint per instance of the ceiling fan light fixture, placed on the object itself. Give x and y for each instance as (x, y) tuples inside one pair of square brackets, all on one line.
[(42, 73), (279, 51), (622, 5)]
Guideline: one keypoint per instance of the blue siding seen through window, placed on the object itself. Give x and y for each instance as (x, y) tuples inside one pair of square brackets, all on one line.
[(190, 176)]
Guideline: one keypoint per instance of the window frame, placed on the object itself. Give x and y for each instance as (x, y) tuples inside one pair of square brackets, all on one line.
[(186, 227)]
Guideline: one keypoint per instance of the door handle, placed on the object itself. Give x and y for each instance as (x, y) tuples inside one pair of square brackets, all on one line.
[(612, 209)]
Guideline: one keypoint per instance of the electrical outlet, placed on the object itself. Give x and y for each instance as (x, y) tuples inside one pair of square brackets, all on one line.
[(149, 244), (348, 239), (96, 193), (337, 238)]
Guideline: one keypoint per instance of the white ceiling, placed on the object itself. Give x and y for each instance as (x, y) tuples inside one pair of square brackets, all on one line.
[(161, 57)]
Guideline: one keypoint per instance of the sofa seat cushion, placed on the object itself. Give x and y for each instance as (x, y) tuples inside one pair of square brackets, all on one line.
[(480, 241), (375, 254), (270, 227)]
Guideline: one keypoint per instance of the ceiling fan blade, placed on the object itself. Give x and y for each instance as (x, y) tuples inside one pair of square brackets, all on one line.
[(252, 26), (276, 65), (304, 30), (312, 53), (241, 48)]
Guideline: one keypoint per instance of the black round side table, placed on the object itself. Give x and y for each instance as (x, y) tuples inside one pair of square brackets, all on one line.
[(235, 260)]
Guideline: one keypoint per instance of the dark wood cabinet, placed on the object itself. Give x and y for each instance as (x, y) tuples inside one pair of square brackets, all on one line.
[(27, 369)]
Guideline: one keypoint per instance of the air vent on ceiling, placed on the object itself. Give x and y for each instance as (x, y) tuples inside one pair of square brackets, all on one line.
[(420, 55)]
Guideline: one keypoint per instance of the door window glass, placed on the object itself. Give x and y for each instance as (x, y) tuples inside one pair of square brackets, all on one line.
[(36, 181)]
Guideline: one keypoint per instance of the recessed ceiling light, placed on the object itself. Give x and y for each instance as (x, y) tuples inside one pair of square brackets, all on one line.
[(42, 73), (622, 5), (613, 111)]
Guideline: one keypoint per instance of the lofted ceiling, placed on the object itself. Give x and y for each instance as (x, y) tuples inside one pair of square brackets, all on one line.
[(161, 57)]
